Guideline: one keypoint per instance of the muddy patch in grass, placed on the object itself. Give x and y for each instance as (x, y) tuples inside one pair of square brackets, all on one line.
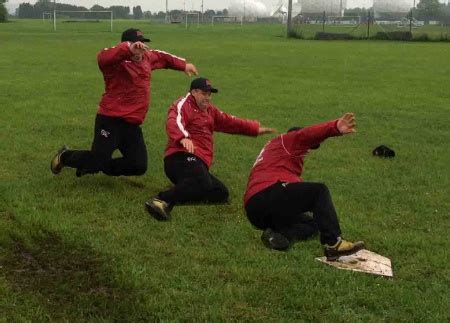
[(71, 281)]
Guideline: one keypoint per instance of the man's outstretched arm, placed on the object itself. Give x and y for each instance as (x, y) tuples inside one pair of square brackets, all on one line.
[(311, 136)]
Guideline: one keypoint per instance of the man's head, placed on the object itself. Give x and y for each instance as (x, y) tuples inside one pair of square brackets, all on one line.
[(300, 128), (201, 90), (134, 35)]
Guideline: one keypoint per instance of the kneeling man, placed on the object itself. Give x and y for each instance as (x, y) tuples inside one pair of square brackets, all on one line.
[(190, 126), (277, 198)]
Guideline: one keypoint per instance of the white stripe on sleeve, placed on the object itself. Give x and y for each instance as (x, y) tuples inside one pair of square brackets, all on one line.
[(163, 52), (179, 124)]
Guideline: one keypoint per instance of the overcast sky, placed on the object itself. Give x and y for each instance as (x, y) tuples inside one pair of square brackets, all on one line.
[(160, 5)]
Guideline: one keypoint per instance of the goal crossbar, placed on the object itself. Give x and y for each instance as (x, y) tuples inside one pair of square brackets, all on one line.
[(83, 11)]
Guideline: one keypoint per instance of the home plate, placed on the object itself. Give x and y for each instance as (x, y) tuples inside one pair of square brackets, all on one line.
[(365, 261)]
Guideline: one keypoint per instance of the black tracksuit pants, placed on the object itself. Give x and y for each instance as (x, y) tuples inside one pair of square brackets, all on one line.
[(281, 207), (110, 134), (193, 182)]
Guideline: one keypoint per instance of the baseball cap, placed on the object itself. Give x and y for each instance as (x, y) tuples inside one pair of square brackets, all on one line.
[(134, 35), (203, 84), (383, 151)]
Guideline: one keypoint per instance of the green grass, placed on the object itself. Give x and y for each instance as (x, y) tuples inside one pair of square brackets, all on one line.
[(84, 249)]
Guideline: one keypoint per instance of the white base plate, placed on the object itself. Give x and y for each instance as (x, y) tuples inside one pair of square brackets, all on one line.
[(364, 261)]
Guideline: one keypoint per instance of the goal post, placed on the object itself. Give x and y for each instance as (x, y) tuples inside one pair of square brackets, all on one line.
[(47, 16), (193, 15), (227, 19), (76, 14)]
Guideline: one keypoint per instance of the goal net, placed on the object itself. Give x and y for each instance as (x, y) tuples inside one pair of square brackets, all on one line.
[(344, 20), (226, 20), (47, 16), (192, 18), (88, 21)]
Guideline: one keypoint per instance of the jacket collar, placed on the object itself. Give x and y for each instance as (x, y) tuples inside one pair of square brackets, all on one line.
[(193, 103)]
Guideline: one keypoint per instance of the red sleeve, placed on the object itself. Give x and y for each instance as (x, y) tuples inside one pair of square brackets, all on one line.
[(296, 142), (114, 55), (227, 123), (176, 121), (160, 59)]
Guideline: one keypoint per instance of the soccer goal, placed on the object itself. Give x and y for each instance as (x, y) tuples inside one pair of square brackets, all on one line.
[(227, 19), (83, 19), (344, 20), (47, 16), (192, 18)]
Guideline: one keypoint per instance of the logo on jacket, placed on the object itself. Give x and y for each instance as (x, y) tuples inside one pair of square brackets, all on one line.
[(191, 159), (104, 133)]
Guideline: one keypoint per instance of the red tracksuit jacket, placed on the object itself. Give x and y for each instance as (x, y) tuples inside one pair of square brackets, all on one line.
[(127, 83), (281, 159), (186, 120)]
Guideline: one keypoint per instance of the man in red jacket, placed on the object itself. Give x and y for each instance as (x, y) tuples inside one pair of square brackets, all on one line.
[(190, 125), (126, 69), (276, 198)]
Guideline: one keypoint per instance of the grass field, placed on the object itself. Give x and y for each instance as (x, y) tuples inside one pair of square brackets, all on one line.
[(82, 249)]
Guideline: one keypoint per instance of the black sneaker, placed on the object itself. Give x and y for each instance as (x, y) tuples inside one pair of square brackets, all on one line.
[(56, 164), (158, 209), (275, 240), (342, 248)]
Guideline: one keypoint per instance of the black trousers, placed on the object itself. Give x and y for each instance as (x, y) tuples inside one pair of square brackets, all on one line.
[(111, 134), (281, 207), (193, 182)]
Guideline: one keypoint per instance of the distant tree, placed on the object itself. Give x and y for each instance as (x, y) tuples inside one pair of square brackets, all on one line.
[(225, 12), (26, 10), (209, 13), (97, 7), (137, 12), (429, 10), (355, 12), (160, 14), (147, 14), (3, 11), (120, 12), (42, 6)]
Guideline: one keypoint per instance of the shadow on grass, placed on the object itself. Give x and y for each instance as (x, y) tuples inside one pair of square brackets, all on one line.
[(69, 281)]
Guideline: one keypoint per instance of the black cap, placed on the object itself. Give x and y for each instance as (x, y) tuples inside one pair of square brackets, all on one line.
[(134, 35), (203, 84), (383, 151)]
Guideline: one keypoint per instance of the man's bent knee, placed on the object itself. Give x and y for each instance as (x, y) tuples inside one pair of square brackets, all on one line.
[(138, 169), (219, 195), (322, 189)]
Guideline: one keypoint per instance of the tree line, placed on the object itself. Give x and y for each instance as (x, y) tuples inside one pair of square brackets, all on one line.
[(426, 10), (27, 10), (3, 11)]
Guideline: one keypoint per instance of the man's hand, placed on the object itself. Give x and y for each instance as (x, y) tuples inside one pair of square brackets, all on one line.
[(346, 124), (265, 131), (188, 145), (190, 69), (138, 48)]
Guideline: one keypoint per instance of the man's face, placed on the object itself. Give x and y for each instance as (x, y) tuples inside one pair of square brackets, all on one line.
[(203, 98)]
